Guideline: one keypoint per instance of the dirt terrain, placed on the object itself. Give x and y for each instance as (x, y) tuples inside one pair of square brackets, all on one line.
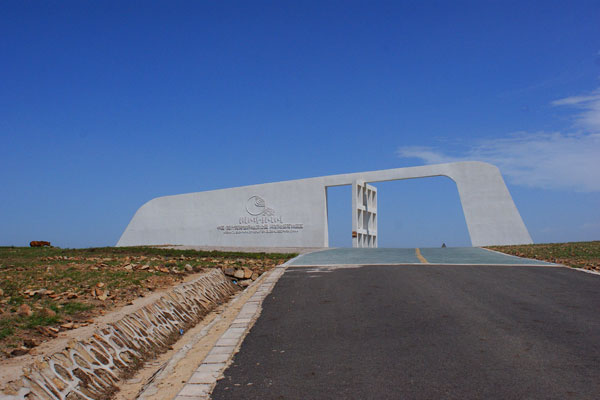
[(584, 255), (45, 291)]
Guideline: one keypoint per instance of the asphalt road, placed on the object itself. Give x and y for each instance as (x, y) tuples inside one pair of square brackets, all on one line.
[(423, 332)]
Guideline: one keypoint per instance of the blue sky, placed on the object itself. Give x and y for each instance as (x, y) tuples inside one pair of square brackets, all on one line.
[(105, 105)]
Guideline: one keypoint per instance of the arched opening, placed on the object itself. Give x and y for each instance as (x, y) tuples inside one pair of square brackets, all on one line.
[(421, 212)]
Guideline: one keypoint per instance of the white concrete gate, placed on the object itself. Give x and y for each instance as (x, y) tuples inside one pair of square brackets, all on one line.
[(364, 214), (294, 213)]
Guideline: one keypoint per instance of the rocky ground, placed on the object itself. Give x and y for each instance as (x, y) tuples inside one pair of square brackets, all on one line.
[(584, 255), (44, 291)]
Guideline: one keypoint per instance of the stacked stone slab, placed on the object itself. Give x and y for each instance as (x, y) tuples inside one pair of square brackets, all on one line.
[(91, 369)]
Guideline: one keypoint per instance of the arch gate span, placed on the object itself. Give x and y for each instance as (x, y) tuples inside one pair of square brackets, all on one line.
[(294, 213)]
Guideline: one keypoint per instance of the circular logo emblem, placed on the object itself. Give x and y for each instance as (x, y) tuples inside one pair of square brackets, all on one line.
[(255, 205)]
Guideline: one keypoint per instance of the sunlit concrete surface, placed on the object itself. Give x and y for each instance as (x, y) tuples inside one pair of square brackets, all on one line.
[(294, 213), (449, 255)]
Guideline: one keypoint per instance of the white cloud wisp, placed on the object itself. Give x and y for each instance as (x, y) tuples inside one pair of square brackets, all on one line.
[(588, 117), (543, 160)]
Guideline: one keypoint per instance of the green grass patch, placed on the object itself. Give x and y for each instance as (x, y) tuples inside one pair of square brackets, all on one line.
[(74, 307), (6, 328), (575, 254), (38, 319), (24, 254), (6, 332), (16, 300)]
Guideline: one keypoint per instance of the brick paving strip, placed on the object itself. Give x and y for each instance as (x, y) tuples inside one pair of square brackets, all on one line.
[(204, 379)]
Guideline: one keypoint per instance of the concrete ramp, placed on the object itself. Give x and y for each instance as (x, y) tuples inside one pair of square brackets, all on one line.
[(383, 256)]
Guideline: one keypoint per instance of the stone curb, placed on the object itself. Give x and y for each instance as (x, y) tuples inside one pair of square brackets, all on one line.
[(587, 271), (204, 379)]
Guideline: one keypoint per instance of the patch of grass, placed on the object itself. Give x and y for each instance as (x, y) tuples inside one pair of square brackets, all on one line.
[(574, 254), (74, 307), (6, 332), (15, 300), (25, 254), (119, 279), (6, 328), (38, 319)]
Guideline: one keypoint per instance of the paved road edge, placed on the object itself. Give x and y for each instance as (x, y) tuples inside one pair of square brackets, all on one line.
[(204, 379)]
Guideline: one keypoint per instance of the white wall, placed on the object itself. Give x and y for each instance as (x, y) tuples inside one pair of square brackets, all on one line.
[(212, 218)]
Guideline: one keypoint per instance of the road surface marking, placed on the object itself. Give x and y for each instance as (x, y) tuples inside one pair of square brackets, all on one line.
[(420, 256)]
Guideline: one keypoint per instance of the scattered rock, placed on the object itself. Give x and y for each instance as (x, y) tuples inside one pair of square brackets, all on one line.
[(25, 310), (100, 284), (245, 282), (247, 273), (68, 325), (31, 292), (128, 267), (20, 351), (46, 331), (189, 268), (255, 276), (239, 273), (39, 243), (30, 343), (229, 271), (101, 294), (1, 292)]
